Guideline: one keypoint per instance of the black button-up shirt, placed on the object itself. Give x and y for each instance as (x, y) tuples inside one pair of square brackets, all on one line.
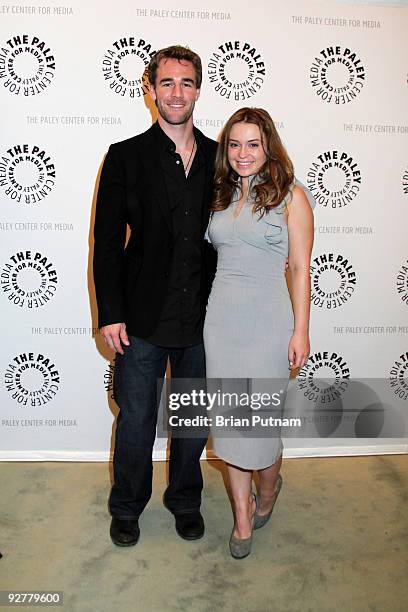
[(180, 321)]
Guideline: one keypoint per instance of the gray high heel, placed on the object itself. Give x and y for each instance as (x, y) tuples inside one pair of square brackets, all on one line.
[(260, 521), (241, 547)]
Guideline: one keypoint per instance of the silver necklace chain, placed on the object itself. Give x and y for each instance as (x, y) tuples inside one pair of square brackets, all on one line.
[(190, 158)]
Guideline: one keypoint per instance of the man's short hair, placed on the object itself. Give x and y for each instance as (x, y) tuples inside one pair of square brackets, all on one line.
[(179, 53)]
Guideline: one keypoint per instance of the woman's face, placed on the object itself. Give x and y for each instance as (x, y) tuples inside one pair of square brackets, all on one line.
[(246, 154)]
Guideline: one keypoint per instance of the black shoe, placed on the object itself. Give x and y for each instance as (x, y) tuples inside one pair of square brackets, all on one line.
[(124, 532), (189, 525)]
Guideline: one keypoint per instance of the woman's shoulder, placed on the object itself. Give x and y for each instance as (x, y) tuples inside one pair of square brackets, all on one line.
[(301, 195)]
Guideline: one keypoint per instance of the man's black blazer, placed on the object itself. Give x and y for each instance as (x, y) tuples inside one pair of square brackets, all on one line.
[(131, 282)]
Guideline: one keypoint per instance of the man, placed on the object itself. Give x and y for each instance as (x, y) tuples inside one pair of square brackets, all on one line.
[(152, 293)]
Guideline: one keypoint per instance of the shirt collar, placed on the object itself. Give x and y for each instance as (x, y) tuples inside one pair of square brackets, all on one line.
[(167, 144), (255, 179)]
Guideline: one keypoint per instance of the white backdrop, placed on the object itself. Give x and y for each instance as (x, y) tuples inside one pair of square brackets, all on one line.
[(333, 75)]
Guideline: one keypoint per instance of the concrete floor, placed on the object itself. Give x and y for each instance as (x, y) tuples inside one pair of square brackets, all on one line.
[(337, 542)]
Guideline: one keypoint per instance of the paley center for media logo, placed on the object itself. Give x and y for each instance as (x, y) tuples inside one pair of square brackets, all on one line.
[(108, 378), (405, 182), (124, 66), (28, 279), (402, 282), (32, 379), (337, 75), (399, 376), (334, 178), (27, 173), (27, 65), (320, 366), (236, 70), (333, 280)]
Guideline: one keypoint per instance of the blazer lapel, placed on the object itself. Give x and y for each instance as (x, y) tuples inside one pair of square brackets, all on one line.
[(153, 172)]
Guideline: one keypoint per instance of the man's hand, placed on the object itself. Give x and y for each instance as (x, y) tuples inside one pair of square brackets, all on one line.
[(113, 335)]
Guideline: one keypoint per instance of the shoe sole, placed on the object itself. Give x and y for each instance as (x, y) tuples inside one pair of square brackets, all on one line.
[(243, 557), (124, 544), (189, 538)]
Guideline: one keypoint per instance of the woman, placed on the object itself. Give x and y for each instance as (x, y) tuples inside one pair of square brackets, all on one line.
[(261, 219)]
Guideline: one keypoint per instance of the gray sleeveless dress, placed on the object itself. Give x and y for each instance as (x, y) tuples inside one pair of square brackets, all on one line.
[(249, 319)]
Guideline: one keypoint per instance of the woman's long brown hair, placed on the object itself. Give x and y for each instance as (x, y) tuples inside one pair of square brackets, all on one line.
[(276, 174)]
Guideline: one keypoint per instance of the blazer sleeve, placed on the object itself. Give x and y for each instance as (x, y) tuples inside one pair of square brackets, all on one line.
[(110, 237)]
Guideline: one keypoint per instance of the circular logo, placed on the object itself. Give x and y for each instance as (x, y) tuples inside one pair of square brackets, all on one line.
[(236, 70), (27, 173), (124, 67), (108, 378), (405, 182), (334, 179), (29, 279), (315, 375), (27, 65), (333, 280), (32, 379), (402, 282), (399, 376), (337, 75)]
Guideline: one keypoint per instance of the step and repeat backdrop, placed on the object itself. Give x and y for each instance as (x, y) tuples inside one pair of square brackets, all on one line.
[(334, 77)]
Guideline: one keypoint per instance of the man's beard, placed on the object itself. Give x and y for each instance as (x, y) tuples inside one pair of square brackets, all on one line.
[(181, 119)]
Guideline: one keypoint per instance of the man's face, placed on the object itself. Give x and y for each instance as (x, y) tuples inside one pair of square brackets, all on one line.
[(175, 91)]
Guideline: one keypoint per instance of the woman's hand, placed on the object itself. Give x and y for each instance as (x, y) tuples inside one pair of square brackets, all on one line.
[(299, 349)]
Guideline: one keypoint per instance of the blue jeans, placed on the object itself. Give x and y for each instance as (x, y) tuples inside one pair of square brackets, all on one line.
[(136, 393)]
